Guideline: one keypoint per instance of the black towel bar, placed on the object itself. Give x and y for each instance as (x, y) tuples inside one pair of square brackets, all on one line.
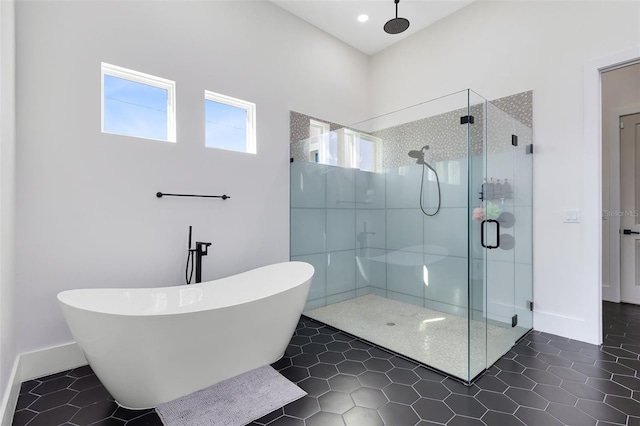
[(161, 194)]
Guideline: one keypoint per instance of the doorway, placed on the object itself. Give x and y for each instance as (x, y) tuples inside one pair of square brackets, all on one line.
[(620, 118)]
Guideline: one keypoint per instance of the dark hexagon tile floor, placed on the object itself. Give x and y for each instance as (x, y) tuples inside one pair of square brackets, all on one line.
[(544, 380)]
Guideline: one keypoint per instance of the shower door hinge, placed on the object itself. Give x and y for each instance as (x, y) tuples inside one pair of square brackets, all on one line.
[(514, 320), (466, 119), (514, 140), (530, 148), (291, 160), (530, 305)]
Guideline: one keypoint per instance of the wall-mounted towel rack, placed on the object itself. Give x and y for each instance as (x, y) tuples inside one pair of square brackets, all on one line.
[(162, 194)]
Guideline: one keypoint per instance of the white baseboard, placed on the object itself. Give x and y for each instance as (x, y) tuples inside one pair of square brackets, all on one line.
[(10, 396), (50, 361), (569, 327), (32, 365)]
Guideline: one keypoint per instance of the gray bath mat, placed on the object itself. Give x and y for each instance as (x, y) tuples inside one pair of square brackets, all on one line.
[(234, 402)]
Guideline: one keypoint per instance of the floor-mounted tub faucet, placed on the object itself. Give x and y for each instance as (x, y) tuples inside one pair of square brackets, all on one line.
[(201, 250)]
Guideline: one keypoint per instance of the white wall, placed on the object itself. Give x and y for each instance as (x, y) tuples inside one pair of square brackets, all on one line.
[(87, 211), (620, 96), (7, 193), (501, 48)]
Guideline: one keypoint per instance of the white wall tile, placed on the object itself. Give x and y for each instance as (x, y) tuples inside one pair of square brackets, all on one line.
[(447, 279), (341, 229), (453, 185), (371, 268), (341, 188), (401, 297), (340, 297), (379, 291), (374, 221), (370, 190), (341, 272), (404, 230), (403, 187), (447, 232), (404, 273), (308, 185), (316, 303), (307, 231), (363, 291)]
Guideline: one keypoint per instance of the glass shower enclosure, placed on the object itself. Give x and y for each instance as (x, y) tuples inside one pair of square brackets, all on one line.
[(419, 226)]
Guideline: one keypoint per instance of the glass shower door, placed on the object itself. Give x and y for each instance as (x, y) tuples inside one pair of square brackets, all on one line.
[(505, 231), (523, 229), (477, 165)]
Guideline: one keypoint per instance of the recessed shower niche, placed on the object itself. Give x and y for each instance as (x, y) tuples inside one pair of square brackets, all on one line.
[(419, 225)]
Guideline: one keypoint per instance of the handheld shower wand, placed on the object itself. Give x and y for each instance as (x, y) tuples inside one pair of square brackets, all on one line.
[(419, 156), (189, 275)]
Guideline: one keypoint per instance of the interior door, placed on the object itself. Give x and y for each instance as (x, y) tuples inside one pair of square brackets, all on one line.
[(630, 209)]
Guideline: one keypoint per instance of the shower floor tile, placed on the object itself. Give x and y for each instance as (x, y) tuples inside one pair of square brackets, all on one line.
[(434, 338)]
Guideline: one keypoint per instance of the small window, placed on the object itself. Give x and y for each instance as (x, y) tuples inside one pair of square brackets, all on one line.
[(137, 104), (322, 146), (359, 150), (229, 123), (317, 128), (366, 154)]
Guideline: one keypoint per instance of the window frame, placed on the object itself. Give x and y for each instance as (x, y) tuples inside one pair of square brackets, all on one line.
[(249, 107), (146, 79), (377, 150), (349, 148), (317, 143)]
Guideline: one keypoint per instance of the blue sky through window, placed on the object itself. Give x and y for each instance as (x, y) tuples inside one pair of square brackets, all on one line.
[(225, 126), (134, 109)]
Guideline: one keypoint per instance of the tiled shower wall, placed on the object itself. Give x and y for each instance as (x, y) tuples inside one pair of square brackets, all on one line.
[(364, 232), (330, 209)]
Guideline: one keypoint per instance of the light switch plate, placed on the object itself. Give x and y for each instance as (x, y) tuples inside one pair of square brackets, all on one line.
[(571, 216)]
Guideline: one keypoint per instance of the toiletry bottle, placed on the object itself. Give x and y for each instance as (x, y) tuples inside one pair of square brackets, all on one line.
[(506, 189), (483, 191), (497, 189), (489, 193)]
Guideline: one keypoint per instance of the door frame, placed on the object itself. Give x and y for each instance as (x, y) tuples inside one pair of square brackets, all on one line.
[(615, 198), (592, 186)]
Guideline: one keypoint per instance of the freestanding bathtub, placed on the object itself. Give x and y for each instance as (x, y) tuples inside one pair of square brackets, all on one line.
[(152, 345)]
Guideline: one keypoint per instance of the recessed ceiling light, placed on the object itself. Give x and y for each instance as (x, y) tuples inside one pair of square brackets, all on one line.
[(363, 18)]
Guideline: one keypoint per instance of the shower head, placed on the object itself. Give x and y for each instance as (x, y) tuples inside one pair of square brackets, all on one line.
[(396, 25), (419, 155)]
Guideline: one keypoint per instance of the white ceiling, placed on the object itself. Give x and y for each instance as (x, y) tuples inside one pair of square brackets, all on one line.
[(338, 18)]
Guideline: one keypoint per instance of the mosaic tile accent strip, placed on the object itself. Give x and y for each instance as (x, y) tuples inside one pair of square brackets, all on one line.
[(544, 380), (299, 126), (518, 106), (446, 137)]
